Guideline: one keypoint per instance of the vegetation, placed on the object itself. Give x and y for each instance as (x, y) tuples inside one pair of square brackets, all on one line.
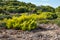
[(27, 22), (25, 16), (22, 7)]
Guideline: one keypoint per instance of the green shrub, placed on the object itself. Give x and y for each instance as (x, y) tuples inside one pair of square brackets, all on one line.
[(11, 9), (27, 22), (5, 16), (23, 22), (57, 21), (2, 24), (1, 9), (22, 9), (48, 15)]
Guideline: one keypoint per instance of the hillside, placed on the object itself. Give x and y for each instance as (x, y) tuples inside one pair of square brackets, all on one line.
[(22, 7), (26, 21)]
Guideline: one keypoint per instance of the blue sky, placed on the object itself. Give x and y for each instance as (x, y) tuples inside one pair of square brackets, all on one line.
[(53, 3)]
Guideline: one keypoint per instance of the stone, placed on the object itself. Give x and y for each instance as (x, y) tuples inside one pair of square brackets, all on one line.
[(48, 26)]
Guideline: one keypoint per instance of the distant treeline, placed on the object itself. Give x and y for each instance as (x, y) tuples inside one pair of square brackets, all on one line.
[(22, 7)]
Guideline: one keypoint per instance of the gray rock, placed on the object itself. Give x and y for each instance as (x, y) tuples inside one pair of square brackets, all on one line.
[(28, 35), (48, 26)]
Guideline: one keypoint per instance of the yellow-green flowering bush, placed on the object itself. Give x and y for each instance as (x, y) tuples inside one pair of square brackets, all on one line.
[(24, 22), (27, 22)]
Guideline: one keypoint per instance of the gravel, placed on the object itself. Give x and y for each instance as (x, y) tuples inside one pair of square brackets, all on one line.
[(29, 35), (37, 34)]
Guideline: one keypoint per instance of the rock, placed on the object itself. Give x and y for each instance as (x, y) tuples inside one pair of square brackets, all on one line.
[(30, 35), (5, 36), (1, 36), (48, 26), (12, 39)]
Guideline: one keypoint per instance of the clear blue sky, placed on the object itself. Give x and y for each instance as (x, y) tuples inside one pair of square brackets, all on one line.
[(53, 3)]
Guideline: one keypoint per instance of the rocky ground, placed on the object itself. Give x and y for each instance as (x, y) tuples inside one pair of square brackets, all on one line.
[(37, 34)]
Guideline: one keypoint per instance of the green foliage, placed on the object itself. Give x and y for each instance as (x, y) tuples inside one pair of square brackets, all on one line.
[(3, 16), (58, 14), (2, 24), (11, 10), (57, 9), (29, 16), (45, 9), (1, 10), (48, 15), (22, 7), (16, 6), (27, 22), (23, 22), (57, 21)]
